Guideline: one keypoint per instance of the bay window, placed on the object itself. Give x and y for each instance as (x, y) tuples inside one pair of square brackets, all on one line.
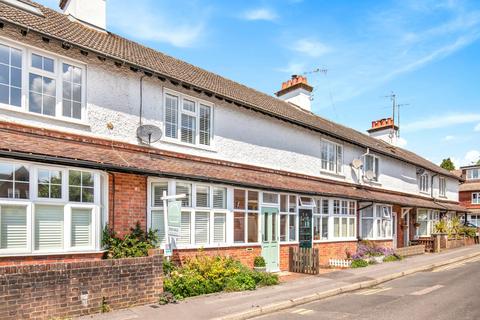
[(203, 217), (288, 218), (334, 219), (49, 208), (331, 155), (54, 88), (187, 120), (376, 222)]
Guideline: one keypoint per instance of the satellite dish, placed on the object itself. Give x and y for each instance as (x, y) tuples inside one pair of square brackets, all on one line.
[(370, 175), (148, 133), (357, 163)]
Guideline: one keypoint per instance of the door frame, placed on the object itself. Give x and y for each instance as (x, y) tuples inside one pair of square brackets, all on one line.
[(277, 232), (395, 229)]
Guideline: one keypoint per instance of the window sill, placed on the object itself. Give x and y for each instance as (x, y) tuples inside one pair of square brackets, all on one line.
[(21, 111), (372, 182), (378, 239), (188, 145), (213, 246), (336, 240), (426, 193), (49, 253), (332, 174)]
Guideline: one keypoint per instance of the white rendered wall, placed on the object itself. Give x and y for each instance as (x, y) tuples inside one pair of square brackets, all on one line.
[(90, 11)]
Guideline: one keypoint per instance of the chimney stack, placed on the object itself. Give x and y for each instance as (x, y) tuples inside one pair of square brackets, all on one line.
[(384, 129), (297, 91), (93, 13)]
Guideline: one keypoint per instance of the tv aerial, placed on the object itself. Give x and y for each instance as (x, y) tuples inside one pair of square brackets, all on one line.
[(148, 133)]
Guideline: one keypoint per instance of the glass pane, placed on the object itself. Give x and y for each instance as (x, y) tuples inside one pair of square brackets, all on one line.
[(22, 190), (6, 171), (188, 105), (77, 93), (67, 90), (16, 58), (74, 178), (266, 228), (185, 188), (239, 227), (219, 227), (15, 97), (317, 227), (367, 228), (336, 227), (283, 203), (13, 227), (292, 228), (49, 86), (202, 227), (81, 233), (351, 227), (252, 227), (4, 74), (188, 129), (67, 72), (36, 61), (35, 102), (283, 227), (158, 224), (74, 193), (43, 190), (16, 77), (4, 54), (21, 173), (87, 179), (185, 228), (219, 198), (344, 228), (324, 227), (203, 196), (49, 105), (292, 204), (56, 191), (252, 200), (239, 198), (4, 94), (77, 75), (6, 189), (87, 194), (274, 227), (157, 193), (48, 64), (48, 227)]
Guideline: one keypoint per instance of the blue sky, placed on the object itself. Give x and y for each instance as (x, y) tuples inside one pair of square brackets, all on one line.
[(427, 52)]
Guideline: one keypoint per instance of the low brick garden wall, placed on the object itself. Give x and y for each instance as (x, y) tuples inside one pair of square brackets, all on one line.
[(68, 289)]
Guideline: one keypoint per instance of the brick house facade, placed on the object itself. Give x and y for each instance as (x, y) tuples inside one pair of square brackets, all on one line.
[(469, 192), (71, 166)]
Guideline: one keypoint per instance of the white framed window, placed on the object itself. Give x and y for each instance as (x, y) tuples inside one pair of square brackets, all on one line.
[(245, 216), (371, 163), (288, 218), (376, 222), (344, 219), (442, 186), (331, 155), (475, 197), (426, 219), (187, 120), (203, 218), (424, 185), (473, 174), (38, 215), (37, 82), (321, 216), (334, 219), (474, 219)]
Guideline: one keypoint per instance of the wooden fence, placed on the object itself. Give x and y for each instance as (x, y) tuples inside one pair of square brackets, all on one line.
[(304, 260), (427, 242)]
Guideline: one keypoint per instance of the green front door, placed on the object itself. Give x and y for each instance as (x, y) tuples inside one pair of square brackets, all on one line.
[(270, 246)]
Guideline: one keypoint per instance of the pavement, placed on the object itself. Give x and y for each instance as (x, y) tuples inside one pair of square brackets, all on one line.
[(449, 292), (245, 305)]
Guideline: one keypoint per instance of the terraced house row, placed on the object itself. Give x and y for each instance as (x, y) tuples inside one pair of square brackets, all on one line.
[(81, 110)]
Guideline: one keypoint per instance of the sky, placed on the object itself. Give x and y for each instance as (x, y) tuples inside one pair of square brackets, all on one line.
[(426, 52)]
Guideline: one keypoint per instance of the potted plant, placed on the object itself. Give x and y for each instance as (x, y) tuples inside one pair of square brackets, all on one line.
[(259, 264)]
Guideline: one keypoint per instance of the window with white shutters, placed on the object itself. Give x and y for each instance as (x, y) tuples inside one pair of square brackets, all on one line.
[(158, 224), (81, 227), (13, 227), (219, 227), (185, 228), (49, 223), (187, 120), (219, 198), (157, 193), (202, 227), (185, 188), (203, 196), (171, 116)]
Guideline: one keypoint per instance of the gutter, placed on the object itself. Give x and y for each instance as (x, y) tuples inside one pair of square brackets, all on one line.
[(224, 97)]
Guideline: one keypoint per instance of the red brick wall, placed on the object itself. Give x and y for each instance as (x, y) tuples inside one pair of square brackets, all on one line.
[(335, 250), (44, 259), (465, 198), (128, 201)]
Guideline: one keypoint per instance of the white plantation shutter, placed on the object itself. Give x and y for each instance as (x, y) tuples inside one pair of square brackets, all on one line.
[(48, 227), (204, 125), (158, 223), (13, 227), (157, 193), (202, 220), (171, 115), (219, 227), (188, 128), (220, 198), (81, 228), (203, 196), (185, 188), (184, 228)]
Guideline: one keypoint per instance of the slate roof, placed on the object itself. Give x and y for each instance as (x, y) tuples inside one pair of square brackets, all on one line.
[(57, 25)]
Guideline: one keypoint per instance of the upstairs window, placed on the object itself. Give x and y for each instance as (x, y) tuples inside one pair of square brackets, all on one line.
[(10, 76), (331, 156), (187, 120), (54, 86), (442, 186), (476, 198), (371, 164), (423, 183), (473, 174)]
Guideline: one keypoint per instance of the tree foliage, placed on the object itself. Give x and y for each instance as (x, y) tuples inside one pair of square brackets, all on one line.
[(447, 164)]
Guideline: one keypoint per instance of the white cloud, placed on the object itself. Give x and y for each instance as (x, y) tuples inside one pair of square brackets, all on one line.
[(477, 127), (154, 21), (448, 138), (401, 142), (472, 157), (260, 14), (441, 121), (293, 68), (310, 47)]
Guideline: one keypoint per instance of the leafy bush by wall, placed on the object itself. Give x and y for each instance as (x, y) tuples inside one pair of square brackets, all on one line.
[(134, 244)]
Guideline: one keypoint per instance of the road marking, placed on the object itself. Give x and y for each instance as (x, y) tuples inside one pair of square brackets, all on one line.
[(369, 292), (473, 260), (302, 311), (426, 290), (450, 267)]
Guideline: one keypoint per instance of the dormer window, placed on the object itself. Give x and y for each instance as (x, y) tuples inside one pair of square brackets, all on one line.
[(423, 183)]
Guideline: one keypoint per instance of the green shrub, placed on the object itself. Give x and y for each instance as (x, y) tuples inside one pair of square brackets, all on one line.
[(391, 258), (259, 262), (359, 263), (134, 244), (469, 232), (204, 274)]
